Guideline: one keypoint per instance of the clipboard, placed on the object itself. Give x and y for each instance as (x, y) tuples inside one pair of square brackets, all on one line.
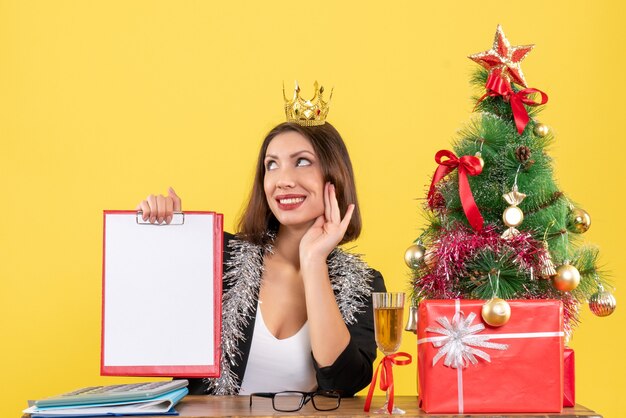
[(161, 295)]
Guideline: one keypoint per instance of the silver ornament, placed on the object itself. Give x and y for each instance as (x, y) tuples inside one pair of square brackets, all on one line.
[(411, 323)]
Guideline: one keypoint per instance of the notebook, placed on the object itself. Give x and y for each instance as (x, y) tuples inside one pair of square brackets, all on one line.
[(159, 405)]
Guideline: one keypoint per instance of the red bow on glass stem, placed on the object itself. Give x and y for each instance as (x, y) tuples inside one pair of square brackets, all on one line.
[(467, 165), (500, 86), (386, 378)]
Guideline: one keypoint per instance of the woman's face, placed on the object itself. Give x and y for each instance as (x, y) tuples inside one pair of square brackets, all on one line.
[(293, 183)]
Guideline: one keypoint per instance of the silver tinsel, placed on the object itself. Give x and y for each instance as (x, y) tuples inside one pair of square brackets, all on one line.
[(350, 280), (243, 274)]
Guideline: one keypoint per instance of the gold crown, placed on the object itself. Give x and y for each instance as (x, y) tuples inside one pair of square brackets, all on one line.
[(307, 112)]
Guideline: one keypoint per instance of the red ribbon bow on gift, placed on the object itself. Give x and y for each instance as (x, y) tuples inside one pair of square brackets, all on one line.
[(386, 378), (467, 165), (499, 86)]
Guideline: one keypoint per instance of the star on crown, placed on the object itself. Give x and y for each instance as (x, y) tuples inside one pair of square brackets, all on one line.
[(504, 59)]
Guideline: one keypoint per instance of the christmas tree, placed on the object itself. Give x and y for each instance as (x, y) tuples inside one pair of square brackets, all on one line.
[(498, 226)]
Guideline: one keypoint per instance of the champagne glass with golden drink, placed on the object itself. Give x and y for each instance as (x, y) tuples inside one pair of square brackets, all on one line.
[(388, 313)]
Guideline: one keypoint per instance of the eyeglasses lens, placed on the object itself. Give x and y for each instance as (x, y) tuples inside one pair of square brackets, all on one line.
[(326, 401), (288, 402)]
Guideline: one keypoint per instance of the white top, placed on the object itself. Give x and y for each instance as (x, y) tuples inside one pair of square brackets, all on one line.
[(275, 365)]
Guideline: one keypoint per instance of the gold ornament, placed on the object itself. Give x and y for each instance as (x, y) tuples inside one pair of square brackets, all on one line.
[(496, 312), (480, 159), (513, 216), (547, 266), (307, 112), (567, 277), (541, 130), (578, 221), (430, 259), (602, 303), (414, 255)]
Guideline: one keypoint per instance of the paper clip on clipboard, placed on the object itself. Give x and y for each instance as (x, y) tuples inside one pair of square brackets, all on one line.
[(178, 218)]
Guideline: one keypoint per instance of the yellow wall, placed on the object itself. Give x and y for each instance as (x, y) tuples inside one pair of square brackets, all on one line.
[(103, 102)]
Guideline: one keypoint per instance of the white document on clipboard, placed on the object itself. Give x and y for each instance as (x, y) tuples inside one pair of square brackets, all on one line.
[(161, 295)]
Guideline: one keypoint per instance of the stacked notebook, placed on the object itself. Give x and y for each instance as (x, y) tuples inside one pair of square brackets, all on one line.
[(151, 398)]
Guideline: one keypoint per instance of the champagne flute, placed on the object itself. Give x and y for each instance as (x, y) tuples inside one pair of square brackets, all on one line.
[(388, 313)]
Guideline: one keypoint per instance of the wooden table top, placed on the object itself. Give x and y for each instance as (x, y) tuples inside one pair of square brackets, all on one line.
[(239, 406)]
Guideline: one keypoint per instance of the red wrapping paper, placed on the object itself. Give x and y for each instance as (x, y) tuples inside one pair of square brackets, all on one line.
[(569, 381), (526, 377)]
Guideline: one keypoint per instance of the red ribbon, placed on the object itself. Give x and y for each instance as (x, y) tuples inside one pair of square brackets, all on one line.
[(467, 165), (499, 86), (386, 378)]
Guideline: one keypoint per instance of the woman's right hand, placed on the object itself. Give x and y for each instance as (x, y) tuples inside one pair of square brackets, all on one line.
[(159, 209)]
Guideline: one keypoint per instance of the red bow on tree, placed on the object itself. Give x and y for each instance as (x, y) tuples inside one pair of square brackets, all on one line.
[(497, 85), (467, 165)]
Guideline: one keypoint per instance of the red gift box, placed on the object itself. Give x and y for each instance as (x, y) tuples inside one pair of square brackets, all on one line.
[(518, 366), (569, 381)]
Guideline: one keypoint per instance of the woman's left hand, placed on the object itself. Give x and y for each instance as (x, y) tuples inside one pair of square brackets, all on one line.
[(327, 231)]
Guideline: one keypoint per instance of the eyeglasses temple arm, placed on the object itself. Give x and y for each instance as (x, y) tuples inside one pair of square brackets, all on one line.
[(261, 395)]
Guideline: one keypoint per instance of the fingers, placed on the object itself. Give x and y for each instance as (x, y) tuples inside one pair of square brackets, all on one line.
[(169, 210), (175, 200), (152, 202), (327, 209), (346, 219), (335, 215), (331, 205), (160, 209), (145, 209)]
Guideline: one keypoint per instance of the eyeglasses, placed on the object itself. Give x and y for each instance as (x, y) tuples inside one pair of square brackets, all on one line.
[(291, 400)]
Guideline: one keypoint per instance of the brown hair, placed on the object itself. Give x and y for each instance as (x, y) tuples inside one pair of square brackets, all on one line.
[(257, 218)]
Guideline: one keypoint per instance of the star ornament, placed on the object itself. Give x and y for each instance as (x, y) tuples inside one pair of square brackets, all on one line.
[(504, 59)]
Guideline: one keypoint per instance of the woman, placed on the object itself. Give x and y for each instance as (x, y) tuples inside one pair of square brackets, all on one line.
[(297, 311)]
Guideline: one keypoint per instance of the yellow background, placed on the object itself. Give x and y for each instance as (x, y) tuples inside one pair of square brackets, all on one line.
[(104, 102)]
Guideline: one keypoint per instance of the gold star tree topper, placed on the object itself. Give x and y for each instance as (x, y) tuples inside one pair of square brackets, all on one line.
[(504, 59)]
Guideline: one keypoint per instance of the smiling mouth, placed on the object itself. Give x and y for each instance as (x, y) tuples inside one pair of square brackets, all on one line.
[(289, 203), (291, 200)]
